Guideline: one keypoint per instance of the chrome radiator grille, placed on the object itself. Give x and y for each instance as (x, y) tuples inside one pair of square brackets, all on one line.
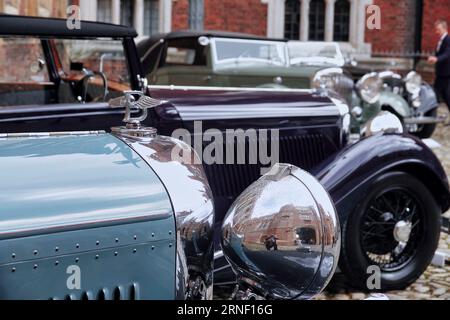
[(229, 180)]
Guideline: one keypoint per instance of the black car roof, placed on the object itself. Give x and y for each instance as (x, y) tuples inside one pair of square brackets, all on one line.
[(12, 25), (221, 34), (145, 44)]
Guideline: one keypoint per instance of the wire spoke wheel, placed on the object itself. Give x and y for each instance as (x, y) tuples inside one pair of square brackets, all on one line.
[(395, 226), (392, 228)]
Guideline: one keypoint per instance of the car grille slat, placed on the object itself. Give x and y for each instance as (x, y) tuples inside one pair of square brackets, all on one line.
[(130, 292), (304, 151)]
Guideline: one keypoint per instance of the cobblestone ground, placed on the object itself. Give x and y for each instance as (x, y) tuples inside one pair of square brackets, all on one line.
[(434, 284)]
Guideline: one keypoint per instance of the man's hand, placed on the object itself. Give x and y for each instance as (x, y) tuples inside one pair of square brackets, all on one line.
[(432, 60)]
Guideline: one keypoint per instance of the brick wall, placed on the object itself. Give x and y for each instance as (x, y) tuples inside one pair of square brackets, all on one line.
[(397, 27), (433, 10), (248, 16), (57, 8), (180, 15), (229, 15)]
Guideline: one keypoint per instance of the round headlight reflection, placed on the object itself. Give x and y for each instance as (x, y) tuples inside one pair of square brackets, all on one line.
[(413, 82), (370, 87), (384, 122), (327, 78)]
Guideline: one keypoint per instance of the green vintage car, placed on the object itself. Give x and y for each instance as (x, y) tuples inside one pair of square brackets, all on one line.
[(410, 99), (221, 59)]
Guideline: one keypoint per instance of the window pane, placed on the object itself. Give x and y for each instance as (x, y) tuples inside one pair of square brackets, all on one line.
[(21, 60), (342, 20), (234, 51), (106, 56), (196, 14), (317, 20), (292, 20), (180, 56), (24, 78), (126, 12), (185, 52), (315, 53), (104, 13), (151, 17)]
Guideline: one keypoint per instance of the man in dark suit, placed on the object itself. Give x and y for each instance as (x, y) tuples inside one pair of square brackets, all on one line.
[(442, 62)]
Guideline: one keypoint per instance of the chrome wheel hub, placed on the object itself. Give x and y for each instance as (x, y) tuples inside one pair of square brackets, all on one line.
[(402, 231)]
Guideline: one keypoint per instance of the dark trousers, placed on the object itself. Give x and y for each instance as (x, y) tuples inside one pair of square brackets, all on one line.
[(442, 87)]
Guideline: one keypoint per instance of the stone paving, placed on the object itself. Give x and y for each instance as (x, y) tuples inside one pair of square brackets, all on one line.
[(434, 284)]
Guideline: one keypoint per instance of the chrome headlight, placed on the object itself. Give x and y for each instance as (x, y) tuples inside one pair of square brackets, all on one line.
[(327, 79), (413, 82), (369, 87), (282, 235), (384, 122)]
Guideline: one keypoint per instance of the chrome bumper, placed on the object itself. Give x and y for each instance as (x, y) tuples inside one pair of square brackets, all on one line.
[(425, 120)]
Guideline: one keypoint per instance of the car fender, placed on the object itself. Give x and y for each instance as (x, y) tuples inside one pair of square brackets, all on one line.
[(428, 99), (347, 176), (393, 101)]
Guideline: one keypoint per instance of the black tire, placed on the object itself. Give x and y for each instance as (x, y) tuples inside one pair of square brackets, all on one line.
[(425, 131), (421, 245)]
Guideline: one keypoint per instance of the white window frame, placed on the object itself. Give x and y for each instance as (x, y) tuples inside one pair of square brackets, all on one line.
[(89, 12), (196, 15), (12, 9), (276, 13)]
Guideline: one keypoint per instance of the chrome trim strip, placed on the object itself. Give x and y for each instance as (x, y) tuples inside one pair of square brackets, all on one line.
[(218, 254), (67, 115), (49, 134), (297, 109), (225, 283), (222, 268), (64, 227), (199, 88)]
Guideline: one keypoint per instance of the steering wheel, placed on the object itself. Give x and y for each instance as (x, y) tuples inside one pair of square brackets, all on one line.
[(85, 86)]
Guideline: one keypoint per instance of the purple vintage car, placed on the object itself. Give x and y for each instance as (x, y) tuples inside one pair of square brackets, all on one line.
[(389, 189)]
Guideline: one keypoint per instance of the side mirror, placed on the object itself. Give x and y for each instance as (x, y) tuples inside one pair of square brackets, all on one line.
[(37, 66), (282, 235)]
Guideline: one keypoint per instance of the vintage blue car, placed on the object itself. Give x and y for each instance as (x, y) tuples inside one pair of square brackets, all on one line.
[(91, 215), (389, 189)]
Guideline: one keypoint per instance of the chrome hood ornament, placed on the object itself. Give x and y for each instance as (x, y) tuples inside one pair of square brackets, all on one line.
[(135, 102)]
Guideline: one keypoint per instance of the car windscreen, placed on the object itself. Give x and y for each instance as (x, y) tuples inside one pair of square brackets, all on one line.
[(248, 52), (315, 53)]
